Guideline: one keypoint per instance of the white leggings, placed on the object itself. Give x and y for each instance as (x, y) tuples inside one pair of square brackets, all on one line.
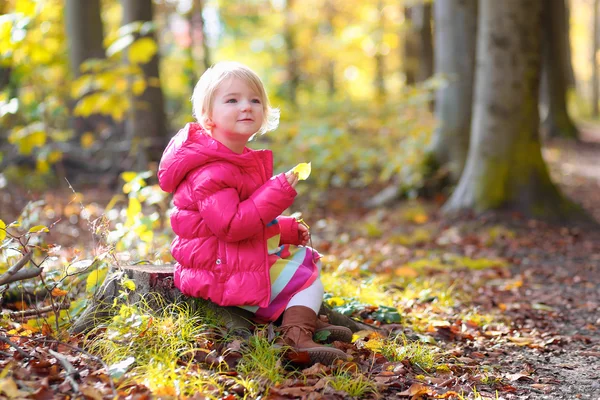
[(311, 297)]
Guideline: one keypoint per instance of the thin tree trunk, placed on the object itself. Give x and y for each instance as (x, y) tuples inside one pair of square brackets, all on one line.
[(330, 64), (566, 38), (505, 168), (556, 119), (149, 121), (455, 36), (418, 44), (292, 53), (379, 59), (595, 44), (199, 19), (85, 32)]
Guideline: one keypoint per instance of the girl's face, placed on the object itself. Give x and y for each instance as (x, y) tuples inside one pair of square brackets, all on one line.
[(237, 113)]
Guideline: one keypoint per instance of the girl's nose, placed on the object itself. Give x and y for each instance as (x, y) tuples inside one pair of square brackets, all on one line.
[(245, 105)]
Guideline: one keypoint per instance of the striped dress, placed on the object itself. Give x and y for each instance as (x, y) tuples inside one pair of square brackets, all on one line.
[(292, 269)]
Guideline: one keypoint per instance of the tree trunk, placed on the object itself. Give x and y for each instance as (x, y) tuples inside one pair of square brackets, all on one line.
[(418, 53), (455, 36), (595, 44), (293, 78), (566, 40), (505, 168), (148, 124), (556, 119), (85, 35), (199, 20), (154, 284), (85, 32), (379, 80), (330, 63)]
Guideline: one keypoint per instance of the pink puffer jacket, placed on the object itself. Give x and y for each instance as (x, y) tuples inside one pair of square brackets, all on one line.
[(223, 201)]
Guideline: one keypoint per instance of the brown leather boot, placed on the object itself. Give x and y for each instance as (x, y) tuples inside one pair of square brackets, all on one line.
[(341, 333), (298, 326)]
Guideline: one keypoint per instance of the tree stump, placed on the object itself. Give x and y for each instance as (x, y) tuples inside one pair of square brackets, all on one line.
[(154, 285)]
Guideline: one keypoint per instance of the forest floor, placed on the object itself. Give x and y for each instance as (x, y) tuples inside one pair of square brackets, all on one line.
[(536, 286)]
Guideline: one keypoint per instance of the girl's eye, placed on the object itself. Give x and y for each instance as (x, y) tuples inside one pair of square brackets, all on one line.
[(231, 101), (257, 101)]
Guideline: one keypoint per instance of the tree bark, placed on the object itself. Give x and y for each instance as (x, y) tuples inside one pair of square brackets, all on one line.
[(418, 53), (293, 74), (595, 45), (379, 80), (556, 119), (505, 169), (85, 32), (198, 19), (455, 36), (148, 124), (566, 40), (154, 285)]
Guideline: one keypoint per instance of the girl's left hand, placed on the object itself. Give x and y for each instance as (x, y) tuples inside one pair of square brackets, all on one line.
[(303, 234)]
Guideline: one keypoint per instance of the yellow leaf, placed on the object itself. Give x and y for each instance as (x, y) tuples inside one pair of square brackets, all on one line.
[(521, 341), (95, 279), (87, 140), (406, 272), (129, 284), (39, 228), (420, 218), (54, 156), (134, 210), (42, 166), (375, 345), (56, 292), (2, 230), (303, 171), (142, 50), (336, 301), (138, 87), (128, 176)]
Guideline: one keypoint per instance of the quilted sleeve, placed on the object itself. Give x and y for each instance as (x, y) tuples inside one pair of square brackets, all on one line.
[(288, 230), (231, 219)]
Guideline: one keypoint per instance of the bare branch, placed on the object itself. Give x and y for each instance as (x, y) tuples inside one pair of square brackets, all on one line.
[(69, 369), (20, 276), (20, 264), (38, 311), (14, 346)]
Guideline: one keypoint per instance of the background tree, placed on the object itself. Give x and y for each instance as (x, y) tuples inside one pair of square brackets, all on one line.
[(148, 123), (555, 74), (85, 35), (595, 45), (418, 44), (293, 73), (455, 37), (505, 168)]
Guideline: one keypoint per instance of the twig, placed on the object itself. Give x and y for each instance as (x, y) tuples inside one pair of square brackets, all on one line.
[(6, 277), (13, 345), (20, 276), (38, 311), (69, 369), (93, 357)]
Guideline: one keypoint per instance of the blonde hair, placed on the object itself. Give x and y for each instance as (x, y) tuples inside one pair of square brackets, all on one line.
[(204, 92)]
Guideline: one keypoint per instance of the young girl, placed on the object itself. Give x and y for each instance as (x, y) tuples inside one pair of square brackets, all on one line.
[(232, 246)]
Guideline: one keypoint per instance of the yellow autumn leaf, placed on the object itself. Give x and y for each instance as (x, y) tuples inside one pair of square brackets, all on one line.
[(2, 230), (42, 166), (54, 156), (56, 292), (133, 211), (39, 228), (406, 272), (303, 171), (87, 140), (375, 345), (336, 301), (129, 284), (142, 50), (420, 218), (95, 279)]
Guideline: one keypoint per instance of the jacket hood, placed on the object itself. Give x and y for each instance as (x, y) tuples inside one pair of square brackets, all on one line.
[(193, 147)]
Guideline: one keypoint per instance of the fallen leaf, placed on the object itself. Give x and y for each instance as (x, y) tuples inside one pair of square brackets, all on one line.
[(303, 171)]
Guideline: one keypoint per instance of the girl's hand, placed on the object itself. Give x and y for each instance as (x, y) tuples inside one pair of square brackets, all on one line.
[(292, 178), (303, 234)]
